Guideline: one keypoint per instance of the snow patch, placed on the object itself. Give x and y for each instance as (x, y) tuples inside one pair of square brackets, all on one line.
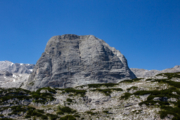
[(31, 70), (14, 76), (21, 63)]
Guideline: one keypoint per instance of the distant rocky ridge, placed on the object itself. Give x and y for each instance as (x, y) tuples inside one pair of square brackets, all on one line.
[(19, 68), (143, 73), (71, 60), (14, 74)]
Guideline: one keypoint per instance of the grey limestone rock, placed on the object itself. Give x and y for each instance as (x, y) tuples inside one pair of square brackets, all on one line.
[(71, 60), (14, 74), (8, 79), (164, 99), (172, 70), (142, 73), (128, 104), (5, 73), (16, 67)]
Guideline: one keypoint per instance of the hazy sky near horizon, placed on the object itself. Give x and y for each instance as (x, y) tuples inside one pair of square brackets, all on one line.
[(147, 32)]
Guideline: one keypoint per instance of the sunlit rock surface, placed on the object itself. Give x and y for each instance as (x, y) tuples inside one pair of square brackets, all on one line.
[(142, 73), (71, 60)]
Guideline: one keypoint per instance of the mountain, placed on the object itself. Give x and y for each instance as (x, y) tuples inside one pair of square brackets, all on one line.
[(142, 73), (16, 67), (102, 85), (14, 74), (71, 60)]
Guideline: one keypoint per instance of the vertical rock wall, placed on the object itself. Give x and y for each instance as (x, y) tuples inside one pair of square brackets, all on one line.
[(71, 60)]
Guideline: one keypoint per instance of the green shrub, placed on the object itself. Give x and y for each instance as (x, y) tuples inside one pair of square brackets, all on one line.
[(70, 95), (164, 105), (18, 109), (91, 113), (62, 110), (44, 117), (126, 96), (32, 112), (165, 110), (6, 119), (159, 93), (76, 115), (42, 97), (68, 117), (100, 85), (69, 100), (117, 89), (106, 111), (21, 94), (130, 81), (170, 75), (133, 87), (107, 91), (52, 117), (172, 83), (31, 83), (104, 91), (76, 92)]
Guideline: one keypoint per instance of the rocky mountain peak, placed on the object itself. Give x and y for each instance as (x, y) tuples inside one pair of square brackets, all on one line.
[(177, 67), (70, 60), (69, 36)]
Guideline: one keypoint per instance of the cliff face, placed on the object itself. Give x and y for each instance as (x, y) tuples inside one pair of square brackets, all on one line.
[(70, 60)]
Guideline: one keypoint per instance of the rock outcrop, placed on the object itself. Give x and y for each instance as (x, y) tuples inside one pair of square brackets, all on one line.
[(143, 73), (71, 60)]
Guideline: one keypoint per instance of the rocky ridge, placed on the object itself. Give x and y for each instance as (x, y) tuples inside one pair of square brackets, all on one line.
[(19, 68), (14, 74), (142, 73)]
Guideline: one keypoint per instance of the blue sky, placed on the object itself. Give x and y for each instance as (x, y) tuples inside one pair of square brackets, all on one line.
[(147, 32)]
